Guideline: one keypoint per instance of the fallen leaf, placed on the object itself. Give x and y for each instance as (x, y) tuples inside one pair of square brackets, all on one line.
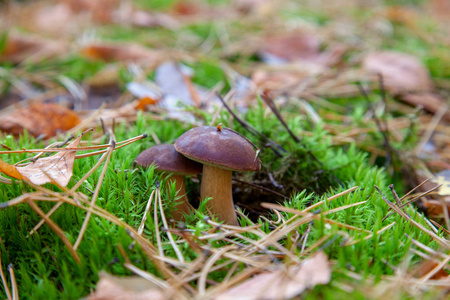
[(439, 9), (55, 19), (146, 19), (261, 8), (143, 102), (429, 101), (278, 80), (56, 168), (186, 8), (443, 178), (425, 267), (401, 14), (100, 10), (126, 288), (174, 80), (434, 208), (39, 118), (18, 48), (283, 284), (299, 46), (401, 72), (121, 52), (10, 170)]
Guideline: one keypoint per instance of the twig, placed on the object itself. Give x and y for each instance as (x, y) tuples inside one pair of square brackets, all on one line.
[(169, 235), (274, 109), (387, 144), (252, 130), (15, 290), (434, 236), (56, 229), (96, 192), (144, 217), (5, 284), (261, 187), (412, 200)]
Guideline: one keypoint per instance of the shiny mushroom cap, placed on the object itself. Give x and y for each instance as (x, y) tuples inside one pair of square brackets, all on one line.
[(166, 158), (219, 147)]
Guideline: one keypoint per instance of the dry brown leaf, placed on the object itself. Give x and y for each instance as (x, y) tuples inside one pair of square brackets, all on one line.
[(261, 8), (145, 19), (280, 80), (401, 72), (281, 284), (440, 9), (54, 19), (100, 10), (186, 8), (31, 48), (429, 101), (434, 208), (126, 288), (56, 168), (39, 118), (122, 52), (301, 46), (401, 14), (425, 267)]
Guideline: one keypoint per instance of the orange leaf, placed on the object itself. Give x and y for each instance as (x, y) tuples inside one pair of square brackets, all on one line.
[(143, 102), (10, 170), (120, 52), (40, 118)]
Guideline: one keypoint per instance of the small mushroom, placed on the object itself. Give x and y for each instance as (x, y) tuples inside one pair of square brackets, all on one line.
[(221, 151), (167, 159)]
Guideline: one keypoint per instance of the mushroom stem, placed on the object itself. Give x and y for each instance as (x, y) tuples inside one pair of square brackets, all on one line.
[(216, 183), (181, 205)]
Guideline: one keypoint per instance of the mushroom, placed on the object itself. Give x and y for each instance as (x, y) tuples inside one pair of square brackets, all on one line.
[(221, 151), (167, 159)]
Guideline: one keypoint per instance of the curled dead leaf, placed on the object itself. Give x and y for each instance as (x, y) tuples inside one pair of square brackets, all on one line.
[(401, 72), (278, 80), (300, 46), (57, 168), (426, 267), (122, 52), (429, 101), (39, 118), (31, 48), (282, 284)]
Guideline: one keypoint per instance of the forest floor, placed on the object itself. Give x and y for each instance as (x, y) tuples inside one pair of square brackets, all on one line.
[(346, 104)]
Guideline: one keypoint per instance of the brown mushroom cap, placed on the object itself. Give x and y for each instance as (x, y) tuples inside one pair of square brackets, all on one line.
[(166, 158), (220, 147)]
